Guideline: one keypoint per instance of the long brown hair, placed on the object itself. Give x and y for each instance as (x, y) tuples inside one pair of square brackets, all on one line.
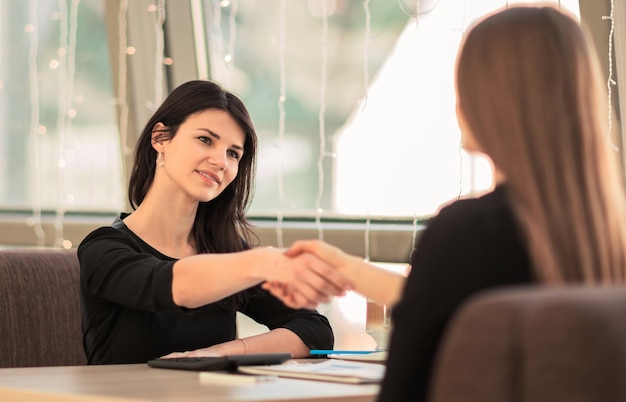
[(529, 88)]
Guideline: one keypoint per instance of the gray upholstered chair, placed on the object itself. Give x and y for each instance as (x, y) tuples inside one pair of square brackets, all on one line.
[(40, 308), (535, 345)]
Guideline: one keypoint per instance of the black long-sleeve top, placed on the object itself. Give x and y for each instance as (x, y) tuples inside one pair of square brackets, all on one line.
[(471, 245), (129, 316)]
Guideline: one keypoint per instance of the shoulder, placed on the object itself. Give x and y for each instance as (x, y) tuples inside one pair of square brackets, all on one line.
[(116, 232), (116, 248), (471, 227), (106, 237), (474, 219), (470, 245), (491, 207)]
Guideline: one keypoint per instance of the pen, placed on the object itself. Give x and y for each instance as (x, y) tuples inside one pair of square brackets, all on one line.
[(226, 378), (342, 352)]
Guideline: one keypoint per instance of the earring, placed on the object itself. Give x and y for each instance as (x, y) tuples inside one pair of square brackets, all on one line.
[(160, 160)]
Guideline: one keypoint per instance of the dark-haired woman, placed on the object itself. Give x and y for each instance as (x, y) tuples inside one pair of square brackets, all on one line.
[(168, 278)]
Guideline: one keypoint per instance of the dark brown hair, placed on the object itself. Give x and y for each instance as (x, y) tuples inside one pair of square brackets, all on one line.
[(220, 225)]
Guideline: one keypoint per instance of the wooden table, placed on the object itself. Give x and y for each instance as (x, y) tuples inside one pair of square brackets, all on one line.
[(138, 382)]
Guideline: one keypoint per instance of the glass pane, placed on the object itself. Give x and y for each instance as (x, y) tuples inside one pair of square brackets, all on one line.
[(58, 132), (394, 152)]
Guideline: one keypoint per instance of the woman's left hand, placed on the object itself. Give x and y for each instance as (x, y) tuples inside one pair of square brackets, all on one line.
[(221, 349)]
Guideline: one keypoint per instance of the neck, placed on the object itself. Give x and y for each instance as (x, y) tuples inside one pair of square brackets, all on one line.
[(164, 227)]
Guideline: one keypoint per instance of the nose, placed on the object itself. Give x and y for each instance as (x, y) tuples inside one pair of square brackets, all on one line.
[(218, 158)]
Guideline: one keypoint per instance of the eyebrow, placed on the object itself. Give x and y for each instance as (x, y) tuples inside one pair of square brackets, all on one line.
[(217, 137)]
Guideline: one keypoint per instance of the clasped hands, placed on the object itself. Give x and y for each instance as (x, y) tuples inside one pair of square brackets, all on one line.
[(310, 272)]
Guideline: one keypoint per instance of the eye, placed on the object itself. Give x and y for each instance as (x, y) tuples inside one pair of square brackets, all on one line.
[(206, 140), (233, 154)]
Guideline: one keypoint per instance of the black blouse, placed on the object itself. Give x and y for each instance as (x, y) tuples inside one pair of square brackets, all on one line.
[(129, 316), (471, 245)]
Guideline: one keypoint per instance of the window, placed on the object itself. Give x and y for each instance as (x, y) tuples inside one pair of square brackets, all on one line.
[(369, 133), (376, 84), (60, 142)]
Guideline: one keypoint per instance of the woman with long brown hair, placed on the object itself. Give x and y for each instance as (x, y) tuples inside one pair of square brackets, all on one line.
[(529, 97)]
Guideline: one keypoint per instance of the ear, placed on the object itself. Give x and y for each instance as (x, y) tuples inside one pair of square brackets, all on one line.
[(468, 142), (158, 146)]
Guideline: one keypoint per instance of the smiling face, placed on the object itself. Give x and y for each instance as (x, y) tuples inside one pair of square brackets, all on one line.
[(202, 159)]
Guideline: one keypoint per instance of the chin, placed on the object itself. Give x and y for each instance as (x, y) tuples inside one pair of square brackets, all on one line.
[(208, 197)]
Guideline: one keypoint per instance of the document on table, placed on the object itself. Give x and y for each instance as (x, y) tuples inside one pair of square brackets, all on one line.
[(333, 370), (379, 356)]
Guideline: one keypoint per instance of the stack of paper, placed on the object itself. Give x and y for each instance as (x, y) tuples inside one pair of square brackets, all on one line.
[(353, 372)]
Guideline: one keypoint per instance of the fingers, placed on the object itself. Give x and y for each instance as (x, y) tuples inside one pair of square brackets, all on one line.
[(304, 281), (304, 246), (204, 352), (318, 276), (331, 254), (297, 294), (289, 299), (340, 263), (173, 355)]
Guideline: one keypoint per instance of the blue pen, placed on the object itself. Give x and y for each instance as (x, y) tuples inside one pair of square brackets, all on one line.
[(342, 352)]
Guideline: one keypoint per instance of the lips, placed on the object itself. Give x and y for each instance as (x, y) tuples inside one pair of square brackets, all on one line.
[(210, 176)]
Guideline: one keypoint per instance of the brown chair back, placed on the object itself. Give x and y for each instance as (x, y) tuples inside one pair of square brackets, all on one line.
[(535, 344), (40, 308)]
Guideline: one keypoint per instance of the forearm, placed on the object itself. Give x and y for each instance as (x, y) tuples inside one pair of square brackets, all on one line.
[(375, 283), (207, 278), (279, 340)]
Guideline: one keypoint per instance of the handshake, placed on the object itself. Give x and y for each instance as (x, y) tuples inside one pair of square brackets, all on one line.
[(312, 272), (308, 273)]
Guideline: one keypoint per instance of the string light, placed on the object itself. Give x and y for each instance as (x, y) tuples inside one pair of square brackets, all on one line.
[(199, 39), (366, 236), (282, 36), (414, 229), (418, 8), (61, 117), (232, 25), (67, 67), (461, 30), (366, 46), (160, 49), (217, 28), (321, 119), (365, 91), (610, 82), (123, 51), (33, 77)]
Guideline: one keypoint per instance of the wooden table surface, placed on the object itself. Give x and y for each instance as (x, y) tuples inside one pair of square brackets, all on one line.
[(138, 382)]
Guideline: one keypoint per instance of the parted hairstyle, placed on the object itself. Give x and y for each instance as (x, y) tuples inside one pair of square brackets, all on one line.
[(220, 224), (530, 90)]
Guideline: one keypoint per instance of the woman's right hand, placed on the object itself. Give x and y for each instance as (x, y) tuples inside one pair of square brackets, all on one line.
[(332, 255), (302, 280), (365, 278)]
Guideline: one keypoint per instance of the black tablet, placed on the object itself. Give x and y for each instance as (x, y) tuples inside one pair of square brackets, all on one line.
[(229, 363)]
